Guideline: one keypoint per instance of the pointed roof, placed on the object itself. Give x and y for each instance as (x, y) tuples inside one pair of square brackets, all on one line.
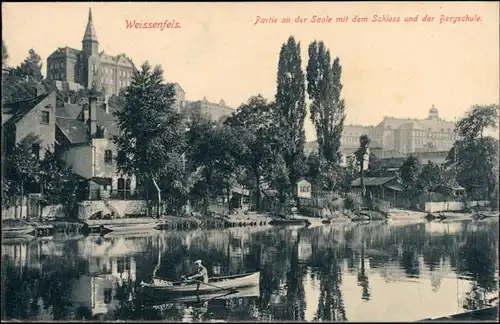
[(90, 33)]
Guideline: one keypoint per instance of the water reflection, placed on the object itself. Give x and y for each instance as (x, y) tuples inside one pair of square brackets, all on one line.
[(373, 272)]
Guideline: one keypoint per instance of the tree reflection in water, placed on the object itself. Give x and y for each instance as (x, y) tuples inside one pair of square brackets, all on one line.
[(362, 277), (43, 285)]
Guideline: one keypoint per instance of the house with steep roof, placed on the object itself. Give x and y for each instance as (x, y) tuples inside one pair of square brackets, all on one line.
[(85, 142), (34, 118), (73, 69)]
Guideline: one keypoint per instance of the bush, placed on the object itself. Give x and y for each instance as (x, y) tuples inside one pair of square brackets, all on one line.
[(353, 202)]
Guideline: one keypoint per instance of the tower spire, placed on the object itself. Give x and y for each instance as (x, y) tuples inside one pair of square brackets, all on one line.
[(90, 33)]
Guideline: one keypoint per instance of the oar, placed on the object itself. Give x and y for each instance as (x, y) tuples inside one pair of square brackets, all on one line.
[(233, 290)]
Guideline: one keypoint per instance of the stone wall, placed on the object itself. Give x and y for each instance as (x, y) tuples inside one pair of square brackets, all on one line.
[(15, 212), (120, 208), (432, 207)]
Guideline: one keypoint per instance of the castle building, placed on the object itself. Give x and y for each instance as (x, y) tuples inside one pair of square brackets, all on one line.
[(73, 69), (394, 137), (215, 111), (415, 135)]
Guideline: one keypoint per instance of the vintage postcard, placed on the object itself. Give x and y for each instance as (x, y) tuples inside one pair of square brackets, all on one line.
[(288, 161)]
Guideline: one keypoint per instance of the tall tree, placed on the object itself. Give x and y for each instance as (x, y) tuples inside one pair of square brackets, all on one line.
[(291, 108), (476, 121), (151, 140), (214, 151), (430, 178), (254, 120), (31, 67), (327, 109), (475, 156), (364, 142)]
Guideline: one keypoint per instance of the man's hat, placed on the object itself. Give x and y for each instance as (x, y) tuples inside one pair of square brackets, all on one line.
[(197, 262)]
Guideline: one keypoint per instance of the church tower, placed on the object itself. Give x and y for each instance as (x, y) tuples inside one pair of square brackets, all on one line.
[(90, 56), (90, 45), (433, 113)]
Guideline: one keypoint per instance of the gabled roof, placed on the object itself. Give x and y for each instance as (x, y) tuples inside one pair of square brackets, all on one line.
[(19, 109), (107, 121), (68, 111), (372, 182), (65, 52), (74, 130)]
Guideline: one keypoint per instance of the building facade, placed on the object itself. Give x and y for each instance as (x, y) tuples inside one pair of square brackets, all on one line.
[(415, 135), (72, 69), (399, 136), (180, 97), (85, 142), (215, 111), (31, 120)]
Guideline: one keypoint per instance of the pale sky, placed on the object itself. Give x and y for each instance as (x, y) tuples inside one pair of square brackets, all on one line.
[(389, 69)]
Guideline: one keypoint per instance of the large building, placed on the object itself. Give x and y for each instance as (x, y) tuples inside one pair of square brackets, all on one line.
[(73, 69), (399, 136), (415, 135), (216, 111)]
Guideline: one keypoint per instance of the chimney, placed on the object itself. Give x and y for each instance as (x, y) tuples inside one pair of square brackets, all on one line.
[(106, 104), (92, 113)]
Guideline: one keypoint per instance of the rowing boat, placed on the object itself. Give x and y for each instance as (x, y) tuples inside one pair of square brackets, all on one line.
[(249, 292), (215, 284), (485, 314)]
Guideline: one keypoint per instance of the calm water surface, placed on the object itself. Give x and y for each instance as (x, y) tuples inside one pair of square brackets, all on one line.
[(342, 272)]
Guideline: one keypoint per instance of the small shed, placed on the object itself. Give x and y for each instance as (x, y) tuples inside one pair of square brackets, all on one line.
[(303, 189), (385, 188)]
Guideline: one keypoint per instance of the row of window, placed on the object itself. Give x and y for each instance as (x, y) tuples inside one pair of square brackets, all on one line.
[(58, 76), (110, 71), (108, 81), (304, 188), (57, 65)]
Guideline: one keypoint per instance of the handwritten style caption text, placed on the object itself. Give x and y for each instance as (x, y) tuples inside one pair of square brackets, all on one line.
[(326, 19)]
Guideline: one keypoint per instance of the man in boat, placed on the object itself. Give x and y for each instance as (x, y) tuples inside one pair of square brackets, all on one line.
[(201, 273)]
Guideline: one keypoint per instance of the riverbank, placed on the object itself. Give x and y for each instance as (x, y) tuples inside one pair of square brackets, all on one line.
[(124, 226)]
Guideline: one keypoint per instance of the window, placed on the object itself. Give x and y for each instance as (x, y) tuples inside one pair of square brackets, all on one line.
[(101, 132), (35, 150), (45, 117), (108, 295), (108, 156)]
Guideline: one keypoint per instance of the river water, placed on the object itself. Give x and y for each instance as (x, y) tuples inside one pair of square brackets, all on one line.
[(340, 272)]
